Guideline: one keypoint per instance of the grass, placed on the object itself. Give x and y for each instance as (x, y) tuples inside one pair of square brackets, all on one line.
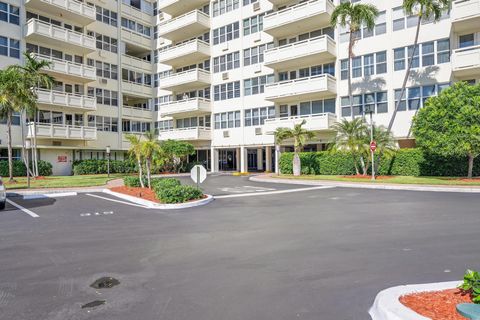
[(451, 181), (61, 181)]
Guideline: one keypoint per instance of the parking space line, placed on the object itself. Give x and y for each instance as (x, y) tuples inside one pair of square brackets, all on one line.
[(118, 201), (252, 194), (29, 212)]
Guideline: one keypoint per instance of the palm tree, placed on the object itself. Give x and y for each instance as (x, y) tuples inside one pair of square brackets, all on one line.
[(385, 145), (351, 137), (35, 78), (353, 16), (149, 149), (135, 151), (300, 136), (425, 10)]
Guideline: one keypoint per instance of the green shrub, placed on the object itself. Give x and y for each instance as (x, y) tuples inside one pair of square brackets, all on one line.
[(178, 194), (320, 163), (19, 169), (133, 182), (405, 162), (101, 166), (163, 183), (471, 285)]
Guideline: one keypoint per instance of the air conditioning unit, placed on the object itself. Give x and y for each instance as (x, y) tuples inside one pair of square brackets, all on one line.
[(256, 6), (57, 143), (257, 37), (258, 131), (225, 46), (257, 68), (226, 134), (225, 76), (103, 81)]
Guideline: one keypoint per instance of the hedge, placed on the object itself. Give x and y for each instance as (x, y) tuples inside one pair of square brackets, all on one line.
[(19, 169), (101, 166), (178, 194), (405, 162)]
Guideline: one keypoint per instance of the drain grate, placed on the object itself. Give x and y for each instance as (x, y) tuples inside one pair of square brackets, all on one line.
[(105, 283), (93, 304)]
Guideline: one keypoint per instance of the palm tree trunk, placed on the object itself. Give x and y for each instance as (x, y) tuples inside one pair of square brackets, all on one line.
[(407, 74), (140, 173), (9, 145), (470, 165), (350, 58), (148, 163), (34, 149), (297, 165), (355, 163)]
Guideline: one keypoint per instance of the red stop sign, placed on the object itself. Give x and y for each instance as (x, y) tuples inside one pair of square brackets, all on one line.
[(373, 146)]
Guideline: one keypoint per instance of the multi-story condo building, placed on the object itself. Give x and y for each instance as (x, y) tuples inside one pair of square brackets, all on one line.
[(224, 74)]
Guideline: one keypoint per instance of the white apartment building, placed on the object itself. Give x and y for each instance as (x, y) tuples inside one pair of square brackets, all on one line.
[(223, 74)]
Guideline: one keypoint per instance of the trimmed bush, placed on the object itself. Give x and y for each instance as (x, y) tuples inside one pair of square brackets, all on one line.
[(320, 163), (178, 194), (133, 182), (101, 166), (163, 183), (19, 169)]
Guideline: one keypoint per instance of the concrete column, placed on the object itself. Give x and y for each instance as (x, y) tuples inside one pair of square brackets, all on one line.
[(277, 159), (237, 159), (214, 159), (243, 159), (260, 159), (268, 160)]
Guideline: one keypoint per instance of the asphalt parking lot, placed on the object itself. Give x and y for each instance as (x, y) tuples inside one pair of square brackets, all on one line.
[(254, 253)]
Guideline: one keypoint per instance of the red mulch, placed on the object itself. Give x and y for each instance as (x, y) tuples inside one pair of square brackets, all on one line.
[(437, 305), (368, 177), (468, 180), (143, 193)]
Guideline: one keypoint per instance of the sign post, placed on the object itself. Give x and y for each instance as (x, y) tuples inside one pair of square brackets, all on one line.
[(373, 147), (198, 174)]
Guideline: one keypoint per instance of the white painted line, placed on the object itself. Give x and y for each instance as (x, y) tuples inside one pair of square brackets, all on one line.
[(260, 188), (252, 194), (30, 213), (118, 201), (48, 195)]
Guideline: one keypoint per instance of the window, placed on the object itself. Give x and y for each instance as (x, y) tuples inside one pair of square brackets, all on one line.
[(426, 54), (375, 101), (226, 91), (317, 107), (137, 77), (467, 40), (164, 125), (247, 2), (367, 65), (105, 70), (226, 62), (15, 119), (380, 28), (401, 20), (257, 116), (9, 13), (104, 96), (136, 27), (226, 120), (253, 24), (223, 6), (226, 33), (257, 85), (135, 126), (104, 42), (344, 69), (9, 47), (107, 124), (414, 98), (106, 16), (255, 55)]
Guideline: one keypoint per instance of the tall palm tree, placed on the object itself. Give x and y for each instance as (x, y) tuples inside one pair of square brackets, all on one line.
[(32, 69), (425, 10), (135, 151), (353, 16), (150, 147), (386, 145), (351, 137), (300, 136)]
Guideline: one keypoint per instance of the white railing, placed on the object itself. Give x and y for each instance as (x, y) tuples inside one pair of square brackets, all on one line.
[(71, 100), (68, 67), (183, 73), (183, 101), (60, 131), (315, 122), (184, 16), (182, 45), (300, 80), (464, 9), (192, 133), (466, 58), (73, 6), (290, 10)]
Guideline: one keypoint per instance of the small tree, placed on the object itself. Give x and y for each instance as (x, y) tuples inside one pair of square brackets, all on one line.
[(300, 136), (176, 152), (149, 148), (135, 152), (385, 146), (353, 16), (449, 125), (351, 137)]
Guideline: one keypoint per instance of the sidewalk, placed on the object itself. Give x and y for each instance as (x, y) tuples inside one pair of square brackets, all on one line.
[(270, 178), (22, 192)]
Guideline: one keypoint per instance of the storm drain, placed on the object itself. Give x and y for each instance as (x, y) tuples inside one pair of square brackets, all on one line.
[(105, 283), (93, 304)]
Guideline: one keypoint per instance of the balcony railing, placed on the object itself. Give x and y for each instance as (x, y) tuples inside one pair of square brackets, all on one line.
[(71, 10), (466, 61), (54, 131), (185, 107), (184, 53), (69, 68), (187, 79), (64, 99), (313, 122), (189, 134), (137, 62), (313, 87), (184, 26), (465, 14)]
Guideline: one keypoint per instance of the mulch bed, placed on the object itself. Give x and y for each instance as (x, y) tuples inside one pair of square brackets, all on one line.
[(437, 305), (368, 177), (143, 193)]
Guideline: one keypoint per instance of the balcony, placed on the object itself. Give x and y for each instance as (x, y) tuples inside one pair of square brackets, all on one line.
[(137, 89), (136, 39), (135, 63), (132, 112), (188, 107), (298, 19), (466, 62), (186, 80), (177, 7), (465, 15), (186, 134), (311, 88), (50, 35), (66, 100), (71, 10), (51, 131), (316, 122), (279, 3), (185, 54), (140, 16), (75, 71), (185, 26), (303, 53)]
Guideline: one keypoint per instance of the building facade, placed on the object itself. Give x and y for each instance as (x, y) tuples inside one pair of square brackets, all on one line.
[(223, 74)]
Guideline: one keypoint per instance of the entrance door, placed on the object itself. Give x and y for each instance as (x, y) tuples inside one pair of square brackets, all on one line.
[(294, 111), (227, 160), (252, 160)]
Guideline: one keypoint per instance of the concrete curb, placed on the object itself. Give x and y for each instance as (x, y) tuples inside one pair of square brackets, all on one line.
[(406, 187), (387, 306), (152, 205)]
